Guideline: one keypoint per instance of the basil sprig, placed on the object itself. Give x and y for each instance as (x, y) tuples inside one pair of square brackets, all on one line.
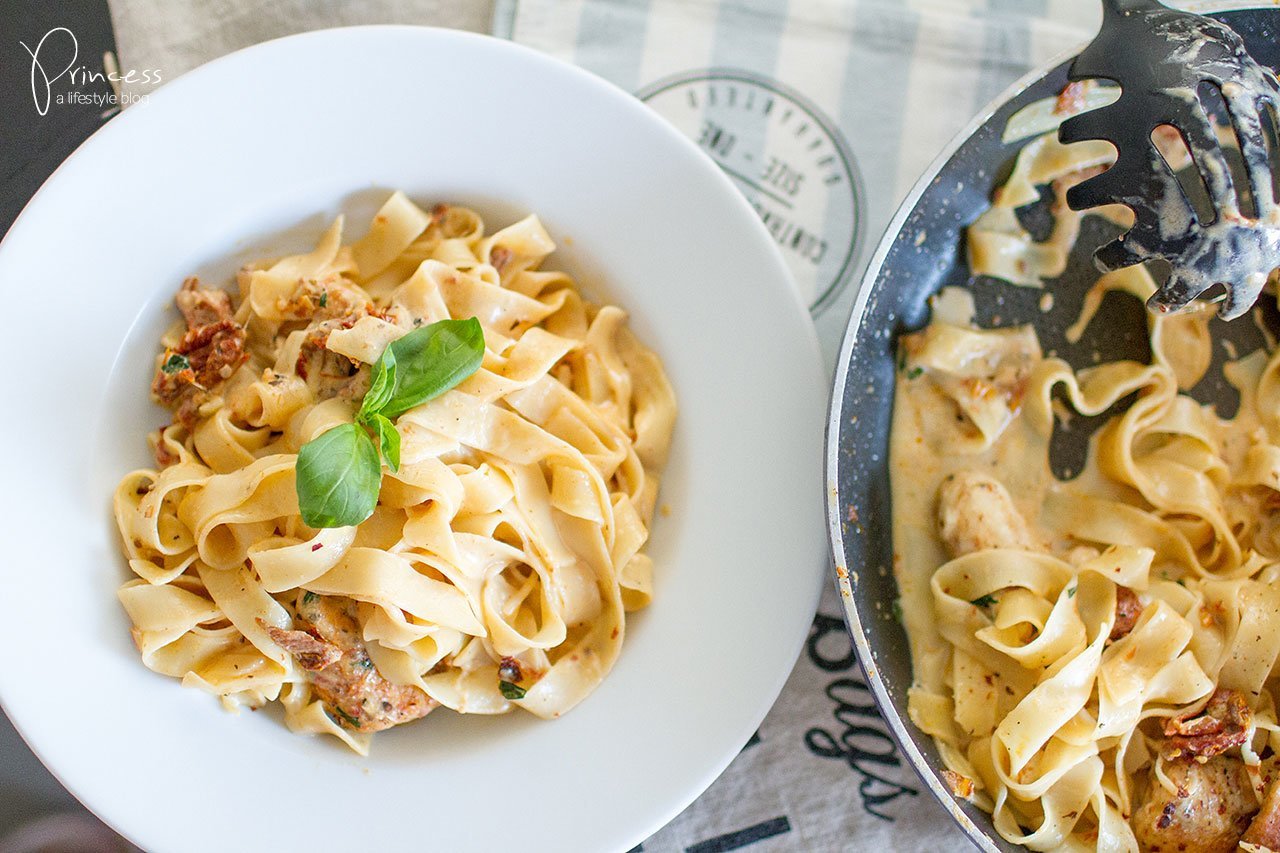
[(338, 475), (388, 439), (427, 362)]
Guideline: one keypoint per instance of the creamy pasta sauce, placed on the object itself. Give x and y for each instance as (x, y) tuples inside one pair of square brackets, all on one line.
[(1093, 656)]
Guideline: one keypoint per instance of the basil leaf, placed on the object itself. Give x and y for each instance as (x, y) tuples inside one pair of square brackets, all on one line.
[(382, 383), (338, 477), (511, 691), (431, 360), (175, 363), (388, 439)]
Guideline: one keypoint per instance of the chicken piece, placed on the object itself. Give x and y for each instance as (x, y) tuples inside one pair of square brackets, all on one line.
[(205, 357), (331, 306), (209, 352), (202, 307), (312, 652), (1207, 813), (975, 512), (329, 298), (331, 374), (1264, 832), (341, 673), (1128, 609), (1220, 726)]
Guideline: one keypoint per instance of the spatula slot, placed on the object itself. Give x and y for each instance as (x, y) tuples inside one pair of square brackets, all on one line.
[(1271, 136), (1172, 146)]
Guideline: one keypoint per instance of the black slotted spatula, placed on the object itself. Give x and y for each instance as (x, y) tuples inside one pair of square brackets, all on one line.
[(1161, 58)]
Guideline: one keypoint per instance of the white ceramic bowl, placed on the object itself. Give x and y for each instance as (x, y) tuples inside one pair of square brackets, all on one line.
[(250, 155)]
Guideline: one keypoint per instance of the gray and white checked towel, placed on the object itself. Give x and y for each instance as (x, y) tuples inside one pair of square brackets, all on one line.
[(780, 92), (824, 112)]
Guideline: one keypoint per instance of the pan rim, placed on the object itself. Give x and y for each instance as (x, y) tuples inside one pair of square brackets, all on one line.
[(854, 331), (833, 498)]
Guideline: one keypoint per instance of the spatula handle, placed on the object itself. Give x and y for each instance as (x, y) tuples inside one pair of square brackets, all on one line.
[(1121, 7)]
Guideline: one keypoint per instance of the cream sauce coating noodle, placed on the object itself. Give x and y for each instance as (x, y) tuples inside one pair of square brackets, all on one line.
[(1094, 657), (504, 554)]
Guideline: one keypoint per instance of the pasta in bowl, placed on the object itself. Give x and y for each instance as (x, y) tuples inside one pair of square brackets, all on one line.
[(480, 553), (503, 130)]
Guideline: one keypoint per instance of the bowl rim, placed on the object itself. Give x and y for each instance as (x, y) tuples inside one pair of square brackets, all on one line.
[(176, 88)]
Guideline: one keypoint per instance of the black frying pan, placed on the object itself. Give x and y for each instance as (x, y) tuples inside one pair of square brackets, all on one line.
[(892, 299)]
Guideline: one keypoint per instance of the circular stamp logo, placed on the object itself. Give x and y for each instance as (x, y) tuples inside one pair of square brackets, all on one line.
[(786, 156)]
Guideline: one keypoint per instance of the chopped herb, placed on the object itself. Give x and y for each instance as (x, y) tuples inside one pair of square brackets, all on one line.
[(915, 372), (363, 664), (352, 721), (324, 298), (902, 360), (1182, 583), (1071, 593), (309, 597), (511, 691), (175, 363), (984, 601), (897, 610)]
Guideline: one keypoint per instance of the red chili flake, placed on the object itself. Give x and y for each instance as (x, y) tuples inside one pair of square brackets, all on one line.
[(317, 546)]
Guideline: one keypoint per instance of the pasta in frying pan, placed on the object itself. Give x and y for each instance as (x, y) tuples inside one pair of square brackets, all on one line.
[(1094, 657)]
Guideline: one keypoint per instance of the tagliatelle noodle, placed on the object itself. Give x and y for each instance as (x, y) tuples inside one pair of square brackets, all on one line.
[(514, 527)]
